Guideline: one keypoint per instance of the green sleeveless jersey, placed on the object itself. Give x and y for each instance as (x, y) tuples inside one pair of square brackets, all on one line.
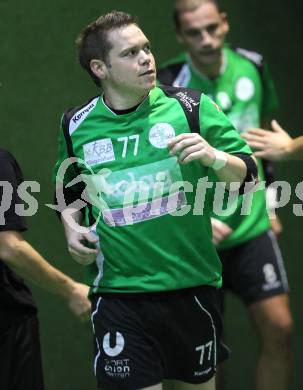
[(150, 236), (244, 90)]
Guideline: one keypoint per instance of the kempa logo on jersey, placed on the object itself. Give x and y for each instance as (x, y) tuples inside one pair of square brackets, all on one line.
[(188, 101), (80, 114)]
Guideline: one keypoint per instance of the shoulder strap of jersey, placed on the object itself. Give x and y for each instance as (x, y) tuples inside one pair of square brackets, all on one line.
[(189, 99), (69, 116), (168, 74), (255, 58), (71, 119)]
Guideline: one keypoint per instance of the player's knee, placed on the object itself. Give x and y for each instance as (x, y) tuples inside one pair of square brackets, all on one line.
[(279, 336)]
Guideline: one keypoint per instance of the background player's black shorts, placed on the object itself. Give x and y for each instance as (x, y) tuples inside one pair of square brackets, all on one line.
[(254, 270), (142, 339), (20, 356)]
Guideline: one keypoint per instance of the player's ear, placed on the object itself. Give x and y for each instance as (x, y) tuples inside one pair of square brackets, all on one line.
[(225, 24), (99, 68)]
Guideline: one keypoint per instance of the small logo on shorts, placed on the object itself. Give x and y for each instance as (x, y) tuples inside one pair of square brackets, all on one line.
[(117, 368), (119, 345), (271, 277)]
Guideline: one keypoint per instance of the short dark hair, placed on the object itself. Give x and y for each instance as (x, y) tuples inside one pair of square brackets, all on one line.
[(189, 5), (92, 42)]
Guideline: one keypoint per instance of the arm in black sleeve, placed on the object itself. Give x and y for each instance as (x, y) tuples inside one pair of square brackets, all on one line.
[(251, 173), (11, 177)]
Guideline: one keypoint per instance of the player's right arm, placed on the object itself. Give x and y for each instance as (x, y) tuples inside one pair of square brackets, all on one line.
[(78, 240), (22, 258)]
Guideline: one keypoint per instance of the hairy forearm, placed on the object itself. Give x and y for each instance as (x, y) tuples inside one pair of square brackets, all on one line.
[(21, 257)]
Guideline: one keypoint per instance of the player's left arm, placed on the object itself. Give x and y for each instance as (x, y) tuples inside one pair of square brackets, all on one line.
[(192, 146), (217, 145)]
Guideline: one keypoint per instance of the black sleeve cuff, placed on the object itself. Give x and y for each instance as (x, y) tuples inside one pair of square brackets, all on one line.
[(251, 173)]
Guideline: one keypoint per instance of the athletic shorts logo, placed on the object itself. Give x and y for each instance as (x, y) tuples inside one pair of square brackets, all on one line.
[(270, 273), (245, 89), (271, 277), (98, 152), (117, 349), (160, 134)]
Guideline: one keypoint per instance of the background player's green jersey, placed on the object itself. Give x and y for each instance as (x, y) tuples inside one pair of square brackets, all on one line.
[(150, 238), (245, 92)]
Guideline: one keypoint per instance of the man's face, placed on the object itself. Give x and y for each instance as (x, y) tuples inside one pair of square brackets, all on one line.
[(202, 32), (130, 64)]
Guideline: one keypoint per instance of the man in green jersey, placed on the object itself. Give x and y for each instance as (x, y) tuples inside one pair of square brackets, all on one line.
[(144, 154), (239, 83)]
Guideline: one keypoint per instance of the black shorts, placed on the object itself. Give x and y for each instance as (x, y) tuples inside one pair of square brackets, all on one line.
[(20, 356), (254, 270), (142, 339)]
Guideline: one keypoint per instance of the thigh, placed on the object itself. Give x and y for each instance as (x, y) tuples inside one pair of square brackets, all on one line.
[(124, 356), (255, 270), (21, 366), (272, 317)]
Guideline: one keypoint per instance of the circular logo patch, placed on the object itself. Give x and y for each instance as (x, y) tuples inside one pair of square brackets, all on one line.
[(160, 134), (224, 100), (245, 89)]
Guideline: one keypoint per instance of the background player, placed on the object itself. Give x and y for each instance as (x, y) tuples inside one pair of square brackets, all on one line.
[(252, 264)]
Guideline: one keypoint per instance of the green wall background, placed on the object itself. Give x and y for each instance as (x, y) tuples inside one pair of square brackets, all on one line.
[(39, 78)]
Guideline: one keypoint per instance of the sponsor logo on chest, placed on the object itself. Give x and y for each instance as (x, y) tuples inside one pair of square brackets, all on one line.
[(98, 152)]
